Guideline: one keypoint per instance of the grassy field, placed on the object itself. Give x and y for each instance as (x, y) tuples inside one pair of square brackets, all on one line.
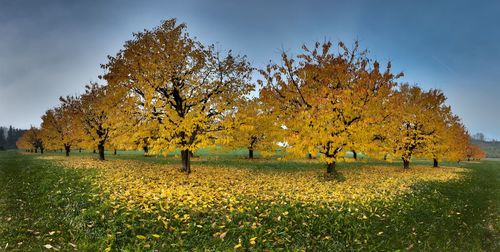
[(132, 202)]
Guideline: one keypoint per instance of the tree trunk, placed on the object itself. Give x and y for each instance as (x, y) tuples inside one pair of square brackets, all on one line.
[(406, 164), (68, 149), (186, 163), (80, 150), (145, 149), (93, 151), (250, 153), (191, 154), (385, 157), (36, 150), (100, 147), (309, 155), (41, 150), (330, 168), (435, 163), (114, 152), (355, 155)]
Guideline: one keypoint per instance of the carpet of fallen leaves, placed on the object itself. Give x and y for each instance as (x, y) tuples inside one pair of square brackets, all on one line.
[(218, 200)]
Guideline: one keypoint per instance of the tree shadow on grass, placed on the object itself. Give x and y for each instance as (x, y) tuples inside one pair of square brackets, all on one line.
[(460, 215)]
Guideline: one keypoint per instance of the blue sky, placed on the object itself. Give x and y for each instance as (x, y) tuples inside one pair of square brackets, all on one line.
[(54, 48)]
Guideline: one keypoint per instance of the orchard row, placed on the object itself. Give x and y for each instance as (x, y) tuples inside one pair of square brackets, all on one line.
[(167, 91)]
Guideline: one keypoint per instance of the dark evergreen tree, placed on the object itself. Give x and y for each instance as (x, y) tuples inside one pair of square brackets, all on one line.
[(9, 137), (2, 139)]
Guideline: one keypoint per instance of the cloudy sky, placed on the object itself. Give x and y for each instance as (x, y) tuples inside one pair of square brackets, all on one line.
[(53, 48)]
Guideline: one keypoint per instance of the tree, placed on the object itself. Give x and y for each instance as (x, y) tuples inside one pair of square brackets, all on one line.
[(2, 139), (92, 112), (479, 137), (418, 124), (10, 137), (31, 138), (60, 127), (458, 140), (179, 87), (255, 128), (475, 152), (126, 135), (323, 98), (22, 143), (439, 144)]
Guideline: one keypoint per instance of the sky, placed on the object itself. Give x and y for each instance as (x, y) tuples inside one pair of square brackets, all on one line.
[(50, 49)]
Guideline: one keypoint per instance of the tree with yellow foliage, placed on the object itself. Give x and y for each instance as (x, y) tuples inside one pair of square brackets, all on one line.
[(130, 131), (417, 124), (458, 139), (60, 128), (324, 98), (177, 86), (22, 143), (254, 128), (31, 139), (475, 152), (449, 141), (92, 112), (438, 145)]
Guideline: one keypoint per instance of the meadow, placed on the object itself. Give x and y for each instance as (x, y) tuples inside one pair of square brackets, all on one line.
[(135, 203)]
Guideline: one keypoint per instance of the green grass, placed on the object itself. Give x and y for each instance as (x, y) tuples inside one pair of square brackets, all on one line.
[(42, 203), (234, 158)]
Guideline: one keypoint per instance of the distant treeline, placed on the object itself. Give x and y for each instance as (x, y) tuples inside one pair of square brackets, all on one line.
[(492, 148), (9, 136)]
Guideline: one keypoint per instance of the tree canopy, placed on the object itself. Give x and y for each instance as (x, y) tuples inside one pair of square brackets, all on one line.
[(170, 82), (324, 98), (166, 91)]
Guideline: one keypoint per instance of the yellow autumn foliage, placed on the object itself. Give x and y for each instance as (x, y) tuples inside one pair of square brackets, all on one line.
[(153, 187)]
